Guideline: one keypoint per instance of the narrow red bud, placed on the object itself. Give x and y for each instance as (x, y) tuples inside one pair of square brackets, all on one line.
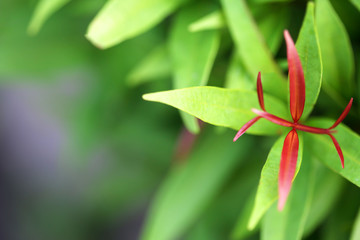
[(296, 77), (338, 149), (245, 127), (287, 169), (260, 92), (343, 115)]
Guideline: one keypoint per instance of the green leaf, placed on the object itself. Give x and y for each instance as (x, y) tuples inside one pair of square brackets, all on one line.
[(356, 3), (269, 1), (308, 48), (44, 9), (156, 65), (192, 54), (223, 107), (119, 20), (190, 188), (289, 223), (336, 49), (214, 20), (355, 235), (324, 197), (267, 191), (251, 45), (323, 148)]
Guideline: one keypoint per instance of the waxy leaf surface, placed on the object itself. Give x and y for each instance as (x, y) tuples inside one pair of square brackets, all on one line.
[(192, 54), (290, 222), (223, 107), (307, 46), (267, 191), (251, 45), (336, 51), (119, 20), (193, 186)]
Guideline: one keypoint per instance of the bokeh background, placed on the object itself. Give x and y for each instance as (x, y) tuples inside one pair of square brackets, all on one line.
[(83, 154)]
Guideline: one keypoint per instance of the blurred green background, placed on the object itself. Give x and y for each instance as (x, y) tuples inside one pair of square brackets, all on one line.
[(83, 153)]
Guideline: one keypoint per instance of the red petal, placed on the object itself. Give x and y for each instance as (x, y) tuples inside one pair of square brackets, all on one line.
[(245, 127), (273, 118), (343, 115), (296, 76), (338, 149), (289, 157), (260, 92)]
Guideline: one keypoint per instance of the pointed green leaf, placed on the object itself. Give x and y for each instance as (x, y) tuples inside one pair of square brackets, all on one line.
[(289, 224), (237, 76), (214, 20), (336, 49), (44, 9), (267, 191), (355, 235), (324, 197), (119, 20), (190, 188), (356, 3), (192, 54), (223, 107), (324, 149), (250, 44), (154, 66), (309, 53)]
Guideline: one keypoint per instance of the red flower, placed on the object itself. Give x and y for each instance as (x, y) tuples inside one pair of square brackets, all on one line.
[(297, 101)]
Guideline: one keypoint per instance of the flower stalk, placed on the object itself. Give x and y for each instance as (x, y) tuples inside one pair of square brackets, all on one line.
[(290, 149)]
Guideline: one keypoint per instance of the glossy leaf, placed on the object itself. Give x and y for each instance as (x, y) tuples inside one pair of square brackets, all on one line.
[(327, 190), (323, 149), (336, 49), (222, 107), (267, 191), (119, 20), (44, 9), (192, 54), (156, 65), (289, 223), (250, 44), (356, 228), (214, 20), (307, 46), (190, 188), (356, 3)]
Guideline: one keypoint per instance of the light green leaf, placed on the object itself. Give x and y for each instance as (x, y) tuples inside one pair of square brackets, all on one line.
[(269, 1), (327, 190), (192, 54), (119, 20), (251, 45), (308, 48), (324, 149), (336, 49), (154, 66), (190, 188), (214, 20), (267, 191), (223, 107), (44, 9), (355, 235), (289, 223), (356, 3)]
